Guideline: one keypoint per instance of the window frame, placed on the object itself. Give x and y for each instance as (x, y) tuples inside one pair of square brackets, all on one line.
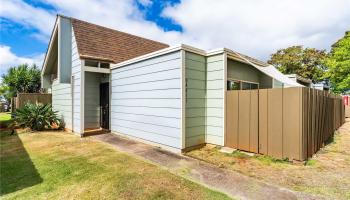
[(240, 83)]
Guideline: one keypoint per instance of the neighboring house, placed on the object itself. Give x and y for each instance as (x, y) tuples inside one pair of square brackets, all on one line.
[(308, 83), (173, 97), (321, 86), (303, 81)]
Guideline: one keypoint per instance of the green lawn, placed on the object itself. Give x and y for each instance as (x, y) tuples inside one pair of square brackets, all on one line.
[(58, 165), (5, 116), (5, 119)]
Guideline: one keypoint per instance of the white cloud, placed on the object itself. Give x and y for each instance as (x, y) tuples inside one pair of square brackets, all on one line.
[(259, 27), (145, 3), (9, 59), (255, 27), (28, 15), (122, 15)]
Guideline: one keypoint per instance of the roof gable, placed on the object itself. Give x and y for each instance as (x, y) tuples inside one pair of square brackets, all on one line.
[(101, 43)]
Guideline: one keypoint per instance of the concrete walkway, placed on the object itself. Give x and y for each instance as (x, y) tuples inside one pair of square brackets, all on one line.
[(232, 183)]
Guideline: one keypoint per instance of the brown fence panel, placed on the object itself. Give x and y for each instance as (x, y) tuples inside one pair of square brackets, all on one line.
[(232, 119), (289, 123), (292, 124), (243, 119), (242, 131), (33, 98), (263, 122), (304, 124), (254, 121), (274, 122)]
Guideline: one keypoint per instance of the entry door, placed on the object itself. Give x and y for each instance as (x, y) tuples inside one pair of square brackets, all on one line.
[(104, 105)]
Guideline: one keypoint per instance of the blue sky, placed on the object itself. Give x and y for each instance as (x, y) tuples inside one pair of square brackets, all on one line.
[(22, 41), (252, 27)]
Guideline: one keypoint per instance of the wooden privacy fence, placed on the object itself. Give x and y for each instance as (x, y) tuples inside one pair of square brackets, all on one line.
[(34, 98), (289, 123)]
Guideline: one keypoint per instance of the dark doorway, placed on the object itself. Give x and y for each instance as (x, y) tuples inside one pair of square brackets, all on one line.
[(104, 105)]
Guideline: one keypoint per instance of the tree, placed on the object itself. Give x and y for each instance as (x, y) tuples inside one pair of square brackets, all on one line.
[(338, 63), (5, 92), (305, 62), (23, 79)]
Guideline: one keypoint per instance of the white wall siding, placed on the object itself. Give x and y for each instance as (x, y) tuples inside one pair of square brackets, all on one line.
[(215, 92), (146, 100), (62, 102), (76, 84), (195, 99)]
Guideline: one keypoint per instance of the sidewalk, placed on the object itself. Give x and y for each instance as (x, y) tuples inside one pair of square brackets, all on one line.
[(231, 183)]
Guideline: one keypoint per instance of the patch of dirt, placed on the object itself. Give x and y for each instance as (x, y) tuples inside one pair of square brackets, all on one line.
[(327, 174)]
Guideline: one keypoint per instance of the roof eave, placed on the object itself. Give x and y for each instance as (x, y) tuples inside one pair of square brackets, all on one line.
[(231, 54), (52, 39), (82, 56)]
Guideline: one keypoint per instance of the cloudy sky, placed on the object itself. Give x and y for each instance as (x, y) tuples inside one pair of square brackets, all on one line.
[(254, 27)]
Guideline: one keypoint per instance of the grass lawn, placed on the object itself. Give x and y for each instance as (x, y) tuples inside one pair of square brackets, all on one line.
[(58, 165), (5, 119), (327, 174)]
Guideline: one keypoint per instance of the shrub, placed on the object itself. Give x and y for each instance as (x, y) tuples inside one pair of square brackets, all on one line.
[(36, 117)]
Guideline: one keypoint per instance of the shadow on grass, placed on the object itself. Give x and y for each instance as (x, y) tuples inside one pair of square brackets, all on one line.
[(17, 171)]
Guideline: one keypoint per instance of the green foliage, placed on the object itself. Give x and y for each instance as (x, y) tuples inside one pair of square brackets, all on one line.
[(311, 162), (239, 154), (36, 117), (5, 119), (6, 92), (305, 62), (268, 160), (22, 79), (338, 63)]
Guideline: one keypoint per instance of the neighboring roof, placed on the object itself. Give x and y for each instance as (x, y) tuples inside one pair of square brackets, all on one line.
[(299, 78), (101, 43), (244, 58)]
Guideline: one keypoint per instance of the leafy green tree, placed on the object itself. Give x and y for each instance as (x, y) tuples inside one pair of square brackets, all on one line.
[(5, 92), (22, 79), (305, 62), (338, 63)]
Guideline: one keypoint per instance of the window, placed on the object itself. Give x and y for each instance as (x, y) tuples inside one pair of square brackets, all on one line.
[(104, 65), (233, 85), (254, 86), (94, 63), (249, 86), (245, 86), (241, 85), (91, 63)]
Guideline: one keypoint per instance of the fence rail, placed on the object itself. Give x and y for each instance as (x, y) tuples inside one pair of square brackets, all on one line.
[(289, 123), (34, 98)]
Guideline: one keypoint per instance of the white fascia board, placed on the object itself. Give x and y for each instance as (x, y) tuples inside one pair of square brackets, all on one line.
[(96, 70), (230, 54), (215, 51), (183, 99), (52, 39)]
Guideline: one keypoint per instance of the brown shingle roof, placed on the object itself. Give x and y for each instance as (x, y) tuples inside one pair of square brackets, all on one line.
[(101, 43)]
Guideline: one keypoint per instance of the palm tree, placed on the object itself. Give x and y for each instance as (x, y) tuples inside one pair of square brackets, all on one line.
[(22, 79)]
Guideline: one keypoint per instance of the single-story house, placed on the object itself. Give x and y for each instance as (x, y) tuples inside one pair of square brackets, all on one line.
[(301, 80), (170, 96), (323, 85)]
